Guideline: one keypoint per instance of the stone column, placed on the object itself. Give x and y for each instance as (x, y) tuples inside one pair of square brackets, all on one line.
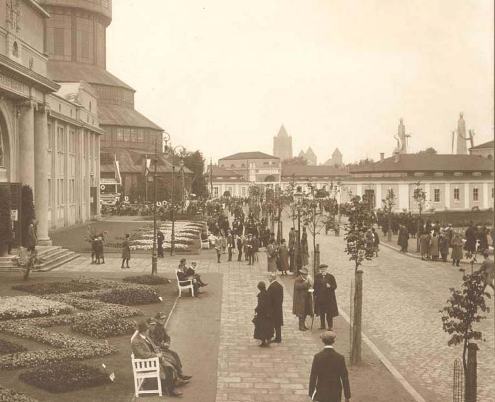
[(26, 145), (41, 195)]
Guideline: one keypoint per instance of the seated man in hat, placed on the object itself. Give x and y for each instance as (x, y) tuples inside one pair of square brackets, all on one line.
[(159, 336), (144, 348), (185, 273)]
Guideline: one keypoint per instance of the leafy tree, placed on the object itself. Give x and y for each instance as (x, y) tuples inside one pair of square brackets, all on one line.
[(195, 162), (5, 223), (314, 219), (464, 309), (388, 206), (295, 161), (27, 208), (360, 219), (428, 151)]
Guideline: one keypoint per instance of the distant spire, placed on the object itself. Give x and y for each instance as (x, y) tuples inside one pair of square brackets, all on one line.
[(282, 132)]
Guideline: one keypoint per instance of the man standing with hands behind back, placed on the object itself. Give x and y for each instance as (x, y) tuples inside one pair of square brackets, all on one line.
[(329, 373)]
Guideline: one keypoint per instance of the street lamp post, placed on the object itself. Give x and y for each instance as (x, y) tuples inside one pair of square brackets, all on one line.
[(172, 150), (154, 257)]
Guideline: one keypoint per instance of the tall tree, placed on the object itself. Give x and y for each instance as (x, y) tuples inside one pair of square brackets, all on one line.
[(195, 162), (295, 161), (428, 151), (388, 206)]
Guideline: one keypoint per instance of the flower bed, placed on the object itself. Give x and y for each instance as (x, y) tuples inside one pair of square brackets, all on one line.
[(103, 326), (128, 297), (8, 395), (56, 287), (15, 307), (7, 347), (146, 280), (64, 377)]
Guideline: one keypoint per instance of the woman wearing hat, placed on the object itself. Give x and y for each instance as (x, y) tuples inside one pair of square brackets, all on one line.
[(263, 325)]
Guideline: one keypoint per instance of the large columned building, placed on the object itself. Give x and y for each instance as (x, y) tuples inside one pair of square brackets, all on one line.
[(49, 132)]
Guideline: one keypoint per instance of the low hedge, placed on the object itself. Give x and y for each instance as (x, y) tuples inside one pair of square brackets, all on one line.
[(65, 377), (57, 287), (7, 347), (9, 395), (146, 280), (103, 326)]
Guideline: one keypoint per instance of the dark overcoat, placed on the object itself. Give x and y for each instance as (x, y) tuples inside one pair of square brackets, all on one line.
[(283, 255), (329, 377), (325, 300), (126, 250), (276, 294), (263, 324), (302, 305)]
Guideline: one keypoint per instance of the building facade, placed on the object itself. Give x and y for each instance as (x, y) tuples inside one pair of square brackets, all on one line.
[(49, 133), (486, 150), (253, 166), (336, 159), (282, 145), (76, 46), (451, 182)]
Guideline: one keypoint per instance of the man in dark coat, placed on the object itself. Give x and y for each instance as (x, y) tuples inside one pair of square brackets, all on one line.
[(329, 373), (325, 300), (276, 295), (470, 244)]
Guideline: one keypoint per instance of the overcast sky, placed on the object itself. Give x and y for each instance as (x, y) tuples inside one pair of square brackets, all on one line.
[(223, 75)]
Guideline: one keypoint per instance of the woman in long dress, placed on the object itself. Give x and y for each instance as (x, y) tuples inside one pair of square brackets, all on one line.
[(263, 325)]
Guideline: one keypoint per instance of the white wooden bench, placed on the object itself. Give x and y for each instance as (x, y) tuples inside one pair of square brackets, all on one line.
[(143, 369), (184, 285)]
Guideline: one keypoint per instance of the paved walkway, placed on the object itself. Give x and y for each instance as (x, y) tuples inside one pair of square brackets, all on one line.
[(245, 371), (401, 304)]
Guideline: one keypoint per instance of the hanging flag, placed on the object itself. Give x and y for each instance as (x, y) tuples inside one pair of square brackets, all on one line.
[(147, 166)]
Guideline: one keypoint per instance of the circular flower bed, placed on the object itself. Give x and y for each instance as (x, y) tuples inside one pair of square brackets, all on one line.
[(103, 326), (147, 280), (64, 377)]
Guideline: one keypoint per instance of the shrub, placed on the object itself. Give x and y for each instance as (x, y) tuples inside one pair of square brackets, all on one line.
[(129, 297), (8, 395), (56, 287), (7, 347), (65, 377), (146, 280), (103, 326)]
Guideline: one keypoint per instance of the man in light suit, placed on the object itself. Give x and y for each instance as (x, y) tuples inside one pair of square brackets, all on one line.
[(143, 348), (276, 295), (329, 373)]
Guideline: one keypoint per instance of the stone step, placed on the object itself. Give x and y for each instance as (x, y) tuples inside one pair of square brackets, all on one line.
[(52, 257)]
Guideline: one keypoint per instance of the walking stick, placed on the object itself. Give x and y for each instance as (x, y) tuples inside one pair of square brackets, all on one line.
[(312, 307)]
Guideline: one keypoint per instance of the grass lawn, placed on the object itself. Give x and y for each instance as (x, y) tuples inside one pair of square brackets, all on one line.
[(75, 237), (120, 363)]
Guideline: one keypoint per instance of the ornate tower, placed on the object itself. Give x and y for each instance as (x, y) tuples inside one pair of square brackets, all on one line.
[(282, 145)]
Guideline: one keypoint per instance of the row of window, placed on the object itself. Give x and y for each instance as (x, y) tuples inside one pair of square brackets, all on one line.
[(129, 134), (457, 194)]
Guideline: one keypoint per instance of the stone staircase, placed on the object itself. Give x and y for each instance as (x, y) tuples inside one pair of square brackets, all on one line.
[(51, 257)]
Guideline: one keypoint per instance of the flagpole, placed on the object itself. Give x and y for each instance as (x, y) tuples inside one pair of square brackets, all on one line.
[(211, 178), (154, 257)]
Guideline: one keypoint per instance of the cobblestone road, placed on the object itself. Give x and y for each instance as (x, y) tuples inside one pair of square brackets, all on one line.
[(402, 299)]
